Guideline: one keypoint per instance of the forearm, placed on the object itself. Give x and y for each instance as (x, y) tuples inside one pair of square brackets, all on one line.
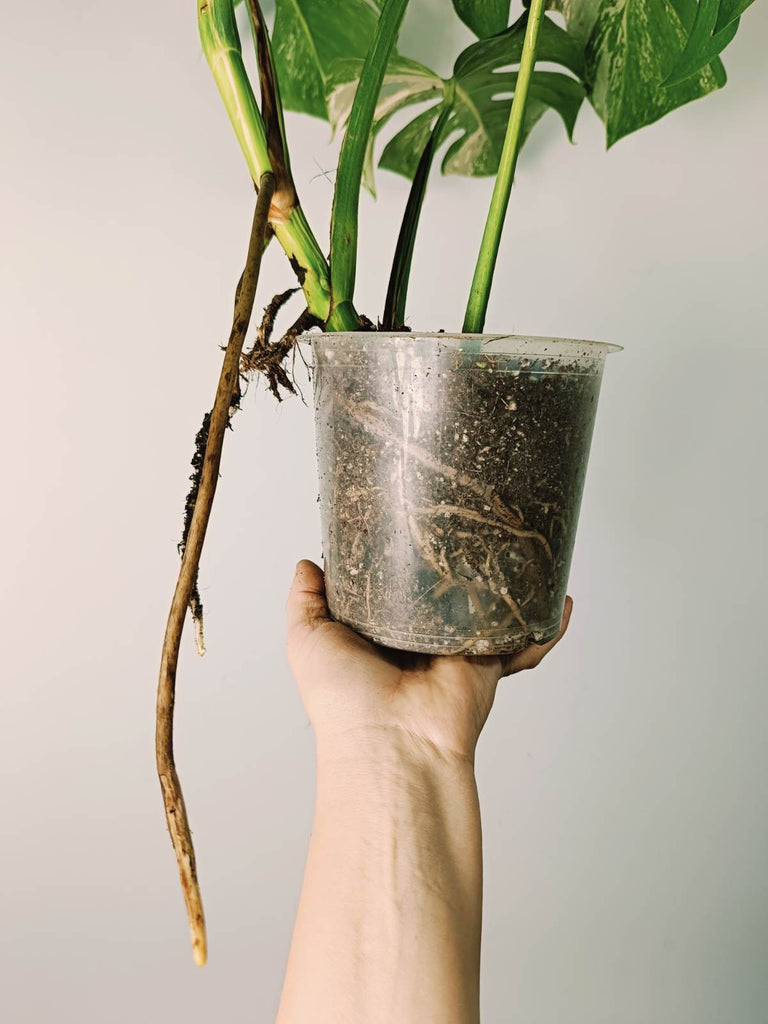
[(388, 926)]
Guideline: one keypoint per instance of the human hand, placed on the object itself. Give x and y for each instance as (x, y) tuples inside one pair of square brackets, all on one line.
[(352, 688)]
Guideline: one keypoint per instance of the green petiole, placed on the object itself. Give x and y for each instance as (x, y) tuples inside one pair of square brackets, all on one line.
[(221, 45), (397, 292), (346, 197), (474, 319)]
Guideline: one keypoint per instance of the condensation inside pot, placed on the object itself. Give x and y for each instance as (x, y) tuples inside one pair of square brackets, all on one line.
[(450, 484)]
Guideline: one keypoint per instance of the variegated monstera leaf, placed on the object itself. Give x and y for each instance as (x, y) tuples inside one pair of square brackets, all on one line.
[(636, 60)]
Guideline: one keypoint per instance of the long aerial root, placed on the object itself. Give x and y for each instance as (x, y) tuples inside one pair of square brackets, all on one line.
[(226, 392)]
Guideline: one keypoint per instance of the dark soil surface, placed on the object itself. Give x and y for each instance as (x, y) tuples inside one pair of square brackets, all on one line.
[(450, 486)]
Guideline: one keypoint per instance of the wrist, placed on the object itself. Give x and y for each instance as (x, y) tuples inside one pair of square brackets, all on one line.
[(385, 774), (387, 749)]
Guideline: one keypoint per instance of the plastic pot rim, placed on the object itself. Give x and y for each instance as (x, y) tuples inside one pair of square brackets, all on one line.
[(501, 344)]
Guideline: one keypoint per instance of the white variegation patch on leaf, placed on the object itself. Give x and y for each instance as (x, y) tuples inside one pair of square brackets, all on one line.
[(631, 49), (636, 60), (482, 87), (308, 36), (645, 58), (406, 83), (403, 80), (319, 72)]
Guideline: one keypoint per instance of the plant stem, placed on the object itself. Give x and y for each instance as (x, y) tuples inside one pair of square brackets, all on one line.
[(397, 292), (175, 810), (272, 107), (221, 44), (474, 319), (346, 197)]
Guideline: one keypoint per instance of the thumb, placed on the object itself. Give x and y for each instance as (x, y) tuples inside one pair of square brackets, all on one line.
[(306, 606)]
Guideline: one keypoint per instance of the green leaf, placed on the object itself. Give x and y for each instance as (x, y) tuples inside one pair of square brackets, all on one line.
[(631, 48), (702, 46), (505, 49), (406, 82), (482, 81), (560, 93), (477, 150), (402, 152), (729, 11), (483, 87), (309, 35), (580, 16), (483, 17)]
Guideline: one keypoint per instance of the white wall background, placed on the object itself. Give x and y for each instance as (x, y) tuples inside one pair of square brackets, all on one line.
[(624, 785)]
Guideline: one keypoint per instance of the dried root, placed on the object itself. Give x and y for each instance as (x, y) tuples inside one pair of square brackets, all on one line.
[(267, 357), (205, 462)]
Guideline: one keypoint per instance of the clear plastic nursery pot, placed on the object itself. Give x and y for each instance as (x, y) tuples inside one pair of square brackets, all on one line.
[(451, 469)]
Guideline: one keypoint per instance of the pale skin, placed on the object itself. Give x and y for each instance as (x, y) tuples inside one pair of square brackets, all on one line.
[(389, 919)]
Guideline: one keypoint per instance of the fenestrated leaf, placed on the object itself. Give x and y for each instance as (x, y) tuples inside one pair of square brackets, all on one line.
[(403, 151), (309, 35), (406, 82), (631, 48), (483, 17), (476, 152), (474, 155), (482, 89), (703, 44), (504, 50), (729, 11), (560, 93), (478, 149)]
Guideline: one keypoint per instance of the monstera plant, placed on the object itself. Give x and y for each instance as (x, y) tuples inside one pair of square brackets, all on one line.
[(440, 541)]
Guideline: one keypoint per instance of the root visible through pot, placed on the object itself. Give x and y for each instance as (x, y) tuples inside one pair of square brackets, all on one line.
[(449, 492)]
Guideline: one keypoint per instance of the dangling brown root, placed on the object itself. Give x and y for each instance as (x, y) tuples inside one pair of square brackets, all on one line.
[(205, 463)]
